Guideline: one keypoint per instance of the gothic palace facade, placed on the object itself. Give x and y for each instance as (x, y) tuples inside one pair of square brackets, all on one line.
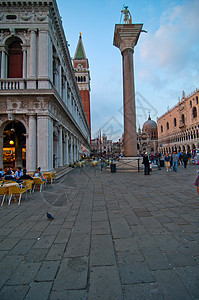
[(178, 128), (42, 119)]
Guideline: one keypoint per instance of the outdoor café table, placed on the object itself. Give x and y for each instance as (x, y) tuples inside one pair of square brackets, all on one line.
[(9, 185)]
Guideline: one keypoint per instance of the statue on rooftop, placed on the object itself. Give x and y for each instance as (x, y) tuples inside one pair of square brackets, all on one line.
[(127, 15)]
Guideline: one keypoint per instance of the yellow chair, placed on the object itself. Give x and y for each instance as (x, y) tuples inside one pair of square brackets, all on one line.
[(28, 184), (3, 193), (53, 176), (30, 174), (17, 191), (38, 182), (48, 176)]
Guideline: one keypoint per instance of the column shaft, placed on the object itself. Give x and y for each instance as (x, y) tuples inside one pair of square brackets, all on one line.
[(31, 162), (60, 148), (33, 52), (130, 136), (3, 64)]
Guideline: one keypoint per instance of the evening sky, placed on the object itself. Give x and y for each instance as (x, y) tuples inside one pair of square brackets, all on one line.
[(166, 58)]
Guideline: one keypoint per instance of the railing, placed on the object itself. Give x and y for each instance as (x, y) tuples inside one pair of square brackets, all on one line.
[(12, 84)]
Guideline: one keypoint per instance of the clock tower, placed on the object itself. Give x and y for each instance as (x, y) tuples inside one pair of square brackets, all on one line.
[(82, 74)]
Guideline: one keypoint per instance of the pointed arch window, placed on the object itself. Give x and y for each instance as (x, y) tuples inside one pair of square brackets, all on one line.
[(194, 112)]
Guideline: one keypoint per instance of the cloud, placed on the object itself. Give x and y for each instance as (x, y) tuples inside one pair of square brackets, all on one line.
[(174, 44)]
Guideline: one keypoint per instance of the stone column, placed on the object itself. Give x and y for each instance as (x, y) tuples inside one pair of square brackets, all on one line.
[(60, 148), (24, 63), (43, 59), (3, 64), (33, 54), (31, 156), (74, 149), (60, 80), (66, 145), (1, 150), (125, 38), (33, 60), (71, 150), (44, 142)]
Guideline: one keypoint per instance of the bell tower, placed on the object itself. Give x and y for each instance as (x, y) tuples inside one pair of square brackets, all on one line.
[(82, 74)]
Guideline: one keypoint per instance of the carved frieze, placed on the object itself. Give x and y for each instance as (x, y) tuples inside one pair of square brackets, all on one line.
[(3, 106), (26, 16), (41, 16), (3, 35)]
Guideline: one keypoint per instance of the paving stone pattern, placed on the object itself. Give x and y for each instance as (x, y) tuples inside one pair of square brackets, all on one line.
[(114, 236)]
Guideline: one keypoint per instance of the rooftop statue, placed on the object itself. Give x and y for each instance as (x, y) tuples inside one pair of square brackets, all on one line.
[(127, 15)]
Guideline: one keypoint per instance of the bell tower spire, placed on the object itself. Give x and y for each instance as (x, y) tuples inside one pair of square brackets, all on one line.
[(82, 74)]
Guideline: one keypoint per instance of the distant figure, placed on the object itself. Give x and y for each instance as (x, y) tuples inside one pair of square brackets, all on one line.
[(197, 183), (185, 159), (18, 173), (127, 15), (167, 162), (25, 176), (8, 175), (37, 173), (175, 161), (146, 164)]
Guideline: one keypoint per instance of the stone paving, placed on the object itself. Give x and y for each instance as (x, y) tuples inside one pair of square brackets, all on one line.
[(114, 236)]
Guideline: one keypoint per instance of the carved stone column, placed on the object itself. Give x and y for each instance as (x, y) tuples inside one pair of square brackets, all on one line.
[(125, 38)]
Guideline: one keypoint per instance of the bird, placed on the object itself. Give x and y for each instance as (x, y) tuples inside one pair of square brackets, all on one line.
[(49, 216)]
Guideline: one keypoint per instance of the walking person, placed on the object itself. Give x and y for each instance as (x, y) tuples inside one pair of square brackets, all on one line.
[(167, 162), (185, 159), (197, 183), (146, 164), (175, 161), (171, 161)]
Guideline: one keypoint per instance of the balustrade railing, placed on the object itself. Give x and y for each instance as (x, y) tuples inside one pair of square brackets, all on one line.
[(12, 84)]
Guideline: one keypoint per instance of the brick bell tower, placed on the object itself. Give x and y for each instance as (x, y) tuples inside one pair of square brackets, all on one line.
[(82, 74)]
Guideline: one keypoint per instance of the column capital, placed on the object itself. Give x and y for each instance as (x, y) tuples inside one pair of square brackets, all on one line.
[(126, 36), (33, 30)]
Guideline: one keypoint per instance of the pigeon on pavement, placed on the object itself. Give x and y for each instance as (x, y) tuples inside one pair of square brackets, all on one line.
[(49, 216)]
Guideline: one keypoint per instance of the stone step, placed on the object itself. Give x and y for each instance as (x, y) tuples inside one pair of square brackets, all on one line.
[(62, 171)]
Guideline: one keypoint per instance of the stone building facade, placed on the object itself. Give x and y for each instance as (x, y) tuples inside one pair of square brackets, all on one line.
[(178, 128), (40, 105), (147, 138), (101, 145)]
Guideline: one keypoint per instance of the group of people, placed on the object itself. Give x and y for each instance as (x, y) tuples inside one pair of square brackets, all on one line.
[(171, 161), (18, 174)]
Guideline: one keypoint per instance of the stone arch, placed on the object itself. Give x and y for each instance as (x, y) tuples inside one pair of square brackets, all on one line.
[(13, 143), (193, 147)]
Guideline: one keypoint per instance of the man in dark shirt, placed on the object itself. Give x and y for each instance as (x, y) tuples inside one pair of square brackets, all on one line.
[(25, 176)]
